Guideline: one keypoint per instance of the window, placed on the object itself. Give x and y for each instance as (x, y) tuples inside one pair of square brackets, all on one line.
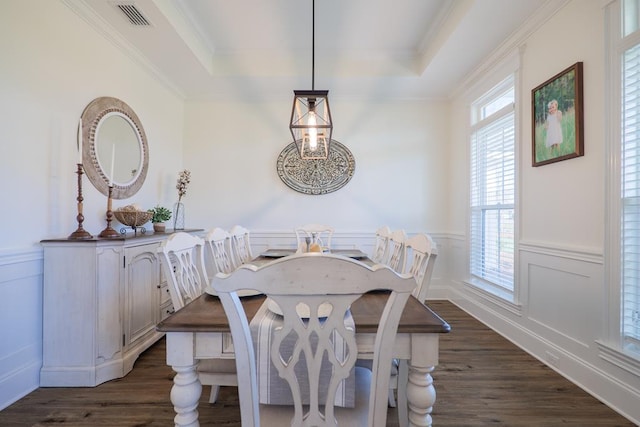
[(492, 193), (629, 178), (623, 237)]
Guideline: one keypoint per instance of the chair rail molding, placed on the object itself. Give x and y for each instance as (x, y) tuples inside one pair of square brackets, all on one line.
[(590, 255)]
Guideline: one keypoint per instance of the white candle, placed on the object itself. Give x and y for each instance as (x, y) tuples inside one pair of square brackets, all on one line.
[(80, 141), (113, 161)]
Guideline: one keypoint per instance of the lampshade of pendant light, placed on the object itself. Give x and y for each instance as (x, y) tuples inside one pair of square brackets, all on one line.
[(311, 126)]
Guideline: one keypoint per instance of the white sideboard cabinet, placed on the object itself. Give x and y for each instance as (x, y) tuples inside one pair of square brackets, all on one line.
[(102, 301)]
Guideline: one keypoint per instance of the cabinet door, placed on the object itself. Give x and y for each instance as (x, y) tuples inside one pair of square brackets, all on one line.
[(141, 289)]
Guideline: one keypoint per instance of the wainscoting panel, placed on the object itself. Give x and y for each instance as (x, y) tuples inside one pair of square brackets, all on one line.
[(21, 336), (451, 265), (563, 296)]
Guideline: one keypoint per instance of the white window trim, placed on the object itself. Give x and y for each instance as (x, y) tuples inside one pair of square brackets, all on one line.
[(612, 345), (510, 65)]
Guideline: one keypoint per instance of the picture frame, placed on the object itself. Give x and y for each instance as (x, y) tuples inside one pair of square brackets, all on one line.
[(557, 117)]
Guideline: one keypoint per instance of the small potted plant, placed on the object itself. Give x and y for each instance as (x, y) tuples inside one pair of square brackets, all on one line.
[(160, 215)]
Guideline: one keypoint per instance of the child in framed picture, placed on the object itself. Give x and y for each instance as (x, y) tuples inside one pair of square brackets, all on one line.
[(553, 126)]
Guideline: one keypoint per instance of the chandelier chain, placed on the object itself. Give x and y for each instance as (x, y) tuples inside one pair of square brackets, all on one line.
[(313, 44)]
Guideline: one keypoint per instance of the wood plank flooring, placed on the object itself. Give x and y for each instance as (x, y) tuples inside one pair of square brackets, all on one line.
[(482, 380)]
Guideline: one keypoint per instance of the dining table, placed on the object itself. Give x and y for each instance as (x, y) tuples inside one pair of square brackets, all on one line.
[(200, 330)]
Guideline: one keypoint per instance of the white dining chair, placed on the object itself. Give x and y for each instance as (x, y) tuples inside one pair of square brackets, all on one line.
[(389, 253), (313, 233), (218, 251), (421, 253), (182, 256), (311, 281), (240, 245), (396, 253), (382, 254), (383, 234)]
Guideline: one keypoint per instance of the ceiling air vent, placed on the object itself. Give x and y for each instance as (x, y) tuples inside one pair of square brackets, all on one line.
[(133, 14)]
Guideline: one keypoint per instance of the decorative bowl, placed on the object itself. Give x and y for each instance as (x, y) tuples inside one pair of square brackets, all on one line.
[(132, 218)]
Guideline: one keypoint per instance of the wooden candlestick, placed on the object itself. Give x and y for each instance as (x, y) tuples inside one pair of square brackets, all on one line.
[(80, 232), (109, 232)]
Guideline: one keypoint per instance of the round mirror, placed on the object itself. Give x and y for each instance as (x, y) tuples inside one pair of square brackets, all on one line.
[(115, 150)]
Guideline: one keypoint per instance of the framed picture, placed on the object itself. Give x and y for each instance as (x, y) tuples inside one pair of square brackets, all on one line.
[(556, 109)]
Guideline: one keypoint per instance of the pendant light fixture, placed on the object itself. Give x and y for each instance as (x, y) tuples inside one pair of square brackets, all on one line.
[(311, 125)]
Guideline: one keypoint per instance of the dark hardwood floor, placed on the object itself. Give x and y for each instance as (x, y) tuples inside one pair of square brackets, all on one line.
[(482, 380)]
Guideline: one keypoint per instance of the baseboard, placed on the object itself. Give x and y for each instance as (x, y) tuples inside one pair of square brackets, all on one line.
[(19, 383)]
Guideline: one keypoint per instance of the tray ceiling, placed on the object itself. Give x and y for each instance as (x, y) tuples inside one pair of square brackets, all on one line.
[(261, 49)]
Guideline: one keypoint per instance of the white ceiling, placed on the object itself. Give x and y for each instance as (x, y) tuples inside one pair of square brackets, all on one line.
[(261, 49)]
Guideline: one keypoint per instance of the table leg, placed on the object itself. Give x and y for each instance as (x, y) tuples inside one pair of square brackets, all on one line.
[(186, 390), (421, 394), (185, 395)]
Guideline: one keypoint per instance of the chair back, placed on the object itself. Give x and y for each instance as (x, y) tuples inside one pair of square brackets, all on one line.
[(309, 234), (218, 249), (396, 253), (421, 256), (183, 264), (310, 280), (240, 245), (383, 234)]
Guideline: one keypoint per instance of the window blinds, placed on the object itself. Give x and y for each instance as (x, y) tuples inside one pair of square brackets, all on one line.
[(492, 199), (630, 192)]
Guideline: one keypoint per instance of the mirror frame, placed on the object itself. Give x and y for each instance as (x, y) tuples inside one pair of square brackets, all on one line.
[(91, 118)]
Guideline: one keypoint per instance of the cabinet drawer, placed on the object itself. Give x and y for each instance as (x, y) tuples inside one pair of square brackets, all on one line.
[(215, 344), (165, 295), (166, 310)]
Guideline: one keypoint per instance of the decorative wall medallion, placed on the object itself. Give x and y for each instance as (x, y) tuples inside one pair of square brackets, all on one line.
[(316, 176)]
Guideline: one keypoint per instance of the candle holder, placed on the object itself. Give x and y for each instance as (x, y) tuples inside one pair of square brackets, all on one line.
[(80, 233), (109, 232)]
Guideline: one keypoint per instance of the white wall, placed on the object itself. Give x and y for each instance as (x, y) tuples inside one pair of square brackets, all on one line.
[(563, 306), (401, 160), (53, 64)]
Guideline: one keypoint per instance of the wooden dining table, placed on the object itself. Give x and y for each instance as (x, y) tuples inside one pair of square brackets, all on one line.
[(200, 330)]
